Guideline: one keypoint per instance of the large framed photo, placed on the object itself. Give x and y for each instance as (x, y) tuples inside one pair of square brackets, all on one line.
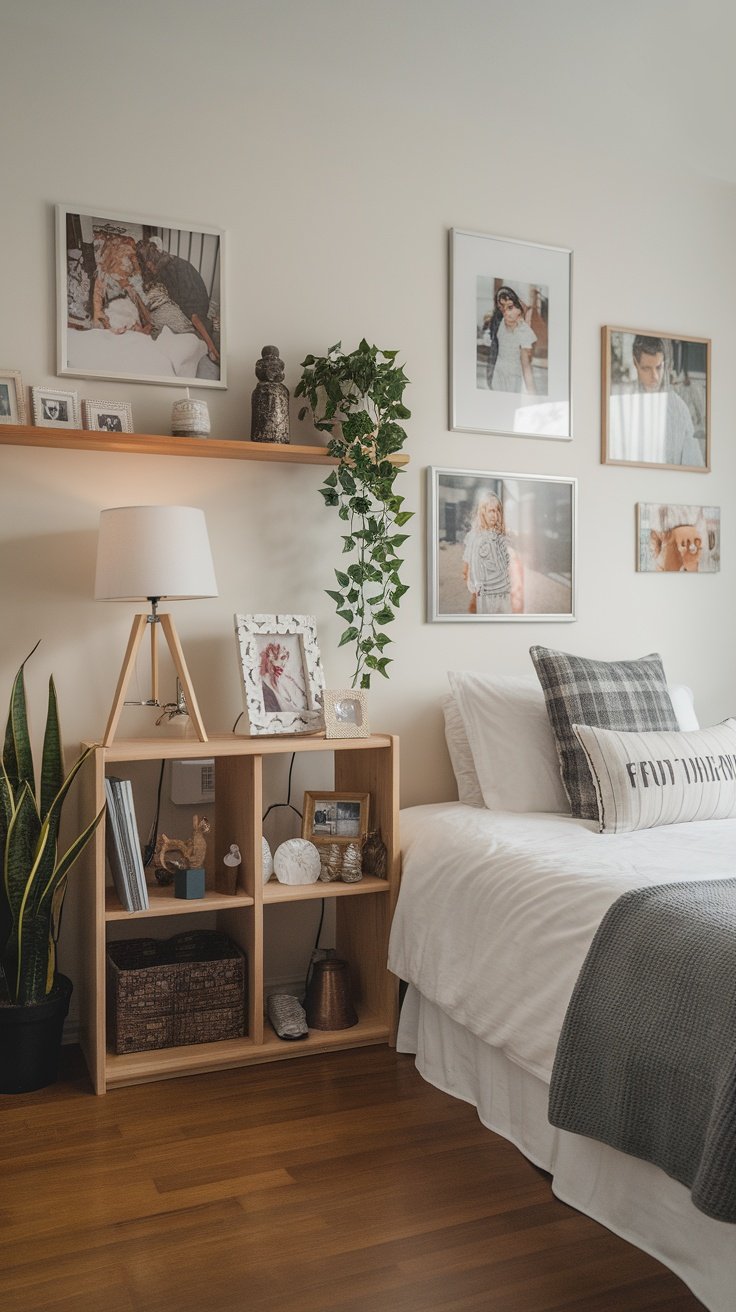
[(510, 334), (678, 539), (139, 299), (655, 404), (501, 546), (335, 817), (281, 673), (12, 401)]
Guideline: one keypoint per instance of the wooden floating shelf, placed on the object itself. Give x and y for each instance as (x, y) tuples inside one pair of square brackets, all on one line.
[(162, 902), (154, 444)]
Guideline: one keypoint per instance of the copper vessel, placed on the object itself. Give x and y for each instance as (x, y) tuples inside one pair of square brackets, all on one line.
[(328, 1004)]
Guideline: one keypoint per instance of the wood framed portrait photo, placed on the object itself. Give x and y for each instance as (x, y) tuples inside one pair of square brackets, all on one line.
[(510, 336), (139, 299), (501, 546), (281, 673), (655, 399), (334, 817)]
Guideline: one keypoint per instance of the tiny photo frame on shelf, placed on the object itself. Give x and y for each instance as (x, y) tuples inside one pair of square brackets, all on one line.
[(501, 546), (12, 401), (281, 673), (510, 336), (140, 299), (108, 416), (678, 539), (54, 409), (655, 403), (346, 713), (333, 817)]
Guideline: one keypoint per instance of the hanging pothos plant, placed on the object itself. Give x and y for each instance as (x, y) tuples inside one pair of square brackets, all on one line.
[(357, 399)]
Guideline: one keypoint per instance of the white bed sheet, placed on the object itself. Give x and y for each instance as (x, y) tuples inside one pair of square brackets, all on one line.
[(497, 910), (495, 915)]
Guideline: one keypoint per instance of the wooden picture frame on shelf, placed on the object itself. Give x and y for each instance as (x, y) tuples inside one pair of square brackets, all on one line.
[(12, 400), (335, 817)]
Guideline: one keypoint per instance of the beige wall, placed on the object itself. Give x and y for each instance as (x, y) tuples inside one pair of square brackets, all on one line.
[(336, 143)]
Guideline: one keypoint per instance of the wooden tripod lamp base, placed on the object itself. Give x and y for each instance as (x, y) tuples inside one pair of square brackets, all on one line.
[(177, 655)]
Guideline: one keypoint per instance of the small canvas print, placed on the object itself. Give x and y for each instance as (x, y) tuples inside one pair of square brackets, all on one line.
[(512, 335), (656, 391), (139, 299), (678, 539), (502, 546), (334, 819), (281, 669)]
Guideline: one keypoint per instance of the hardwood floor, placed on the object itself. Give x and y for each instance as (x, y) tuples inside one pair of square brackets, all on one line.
[(336, 1183)]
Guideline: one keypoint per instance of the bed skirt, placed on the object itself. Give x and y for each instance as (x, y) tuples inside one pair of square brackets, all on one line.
[(630, 1197)]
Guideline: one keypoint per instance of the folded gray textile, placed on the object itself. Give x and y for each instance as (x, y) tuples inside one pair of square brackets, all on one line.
[(646, 1060)]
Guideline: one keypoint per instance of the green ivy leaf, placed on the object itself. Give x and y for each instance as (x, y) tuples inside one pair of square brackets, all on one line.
[(346, 615), (348, 544), (403, 517), (342, 579), (348, 636)]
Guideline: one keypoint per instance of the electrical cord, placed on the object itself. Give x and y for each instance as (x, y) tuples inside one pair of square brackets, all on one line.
[(150, 847), (275, 805), (315, 949)]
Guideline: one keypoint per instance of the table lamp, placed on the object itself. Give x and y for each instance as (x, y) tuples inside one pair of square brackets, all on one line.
[(146, 553)]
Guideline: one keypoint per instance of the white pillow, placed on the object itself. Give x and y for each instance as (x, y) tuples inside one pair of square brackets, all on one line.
[(513, 748), (461, 757), (507, 739), (661, 777)]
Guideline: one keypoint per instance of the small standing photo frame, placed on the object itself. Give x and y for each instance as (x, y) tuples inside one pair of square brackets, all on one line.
[(281, 673), (12, 402), (335, 817), (54, 409), (108, 416), (346, 713)]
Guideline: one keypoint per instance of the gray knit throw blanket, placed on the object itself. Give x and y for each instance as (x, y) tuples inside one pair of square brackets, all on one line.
[(646, 1060)]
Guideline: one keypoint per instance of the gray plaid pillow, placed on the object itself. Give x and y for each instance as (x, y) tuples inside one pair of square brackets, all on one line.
[(607, 694)]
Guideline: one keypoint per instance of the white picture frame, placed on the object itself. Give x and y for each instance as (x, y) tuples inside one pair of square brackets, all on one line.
[(107, 416), (55, 409), (12, 399), (501, 547), (346, 713), (281, 673), (139, 299), (510, 355)]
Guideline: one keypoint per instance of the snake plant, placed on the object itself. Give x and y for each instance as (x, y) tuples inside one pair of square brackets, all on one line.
[(34, 874)]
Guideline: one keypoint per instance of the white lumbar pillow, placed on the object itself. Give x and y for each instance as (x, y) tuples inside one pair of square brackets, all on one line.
[(662, 777), (503, 751), (297, 862)]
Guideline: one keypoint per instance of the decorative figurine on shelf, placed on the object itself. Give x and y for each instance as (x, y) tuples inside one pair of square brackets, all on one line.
[(352, 868), (287, 1016), (374, 855), (226, 881), (190, 418), (172, 854), (331, 862), (266, 860), (270, 399), (296, 862)]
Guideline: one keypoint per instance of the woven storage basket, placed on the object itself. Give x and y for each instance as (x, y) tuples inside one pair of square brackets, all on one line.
[(171, 992)]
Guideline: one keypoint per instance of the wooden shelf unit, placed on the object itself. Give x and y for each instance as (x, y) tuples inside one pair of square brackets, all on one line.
[(156, 444), (363, 911)]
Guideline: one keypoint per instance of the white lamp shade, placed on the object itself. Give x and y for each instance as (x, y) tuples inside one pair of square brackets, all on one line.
[(153, 551)]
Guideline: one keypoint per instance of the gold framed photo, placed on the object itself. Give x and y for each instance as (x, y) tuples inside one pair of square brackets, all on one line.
[(335, 817), (655, 399), (346, 713)]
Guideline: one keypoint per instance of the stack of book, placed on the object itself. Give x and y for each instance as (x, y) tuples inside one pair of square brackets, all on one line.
[(123, 845)]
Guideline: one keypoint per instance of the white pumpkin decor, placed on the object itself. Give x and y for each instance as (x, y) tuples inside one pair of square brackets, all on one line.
[(297, 862), (266, 861)]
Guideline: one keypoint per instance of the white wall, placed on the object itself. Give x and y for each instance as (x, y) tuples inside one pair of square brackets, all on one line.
[(337, 142)]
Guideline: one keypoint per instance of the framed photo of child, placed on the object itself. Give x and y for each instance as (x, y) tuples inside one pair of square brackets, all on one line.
[(501, 547), (510, 334)]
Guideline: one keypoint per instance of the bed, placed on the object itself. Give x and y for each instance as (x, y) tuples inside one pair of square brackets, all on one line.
[(496, 914)]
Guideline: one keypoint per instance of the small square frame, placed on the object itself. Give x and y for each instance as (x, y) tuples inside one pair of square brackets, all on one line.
[(108, 416), (313, 829), (288, 632), (41, 395), (346, 713), (12, 399)]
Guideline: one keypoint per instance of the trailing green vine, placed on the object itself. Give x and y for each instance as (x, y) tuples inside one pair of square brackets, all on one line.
[(357, 398)]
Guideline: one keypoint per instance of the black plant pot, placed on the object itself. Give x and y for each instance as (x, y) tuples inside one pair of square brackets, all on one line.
[(30, 1040)]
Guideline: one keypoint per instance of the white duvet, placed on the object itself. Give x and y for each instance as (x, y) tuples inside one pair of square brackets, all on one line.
[(497, 910)]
